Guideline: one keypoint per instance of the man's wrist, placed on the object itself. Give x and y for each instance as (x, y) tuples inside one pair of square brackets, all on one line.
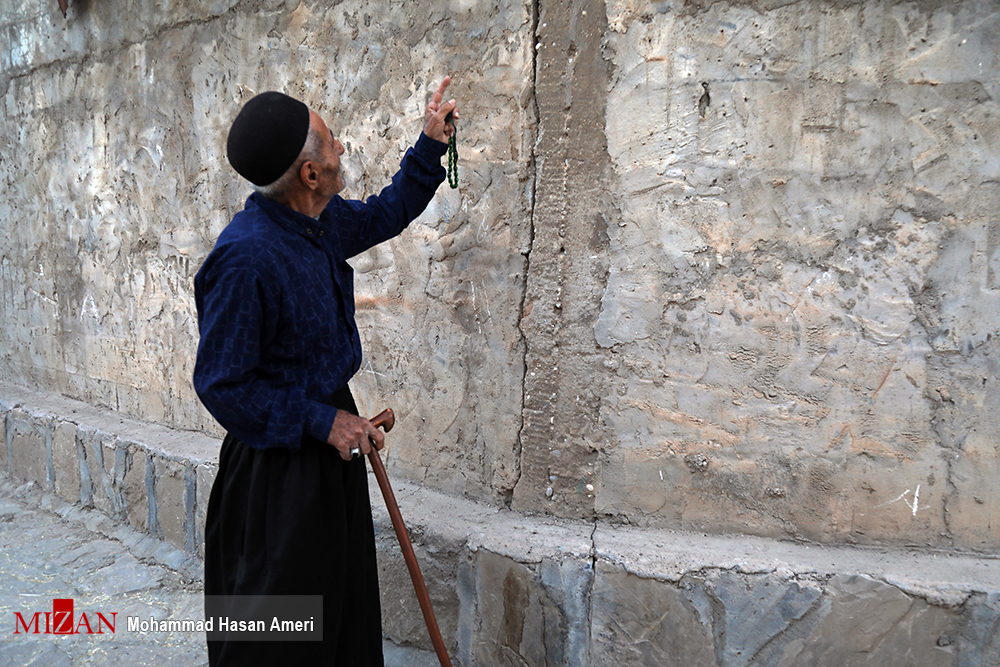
[(319, 420), (427, 145)]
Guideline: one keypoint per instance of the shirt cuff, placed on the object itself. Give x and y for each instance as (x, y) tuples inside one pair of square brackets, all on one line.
[(430, 148), (319, 420)]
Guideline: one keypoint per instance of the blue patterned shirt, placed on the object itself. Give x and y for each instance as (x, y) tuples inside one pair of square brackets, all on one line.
[(275, 302)]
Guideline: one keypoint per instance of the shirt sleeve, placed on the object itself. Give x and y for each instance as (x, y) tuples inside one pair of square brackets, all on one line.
[(383, 216), (235, 312)]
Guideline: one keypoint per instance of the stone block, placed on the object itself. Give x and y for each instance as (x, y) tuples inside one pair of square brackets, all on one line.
[(401, 619), (864, 621), (95, 477), (467, 615), (116, 463), (568, 582), (979, 636), (170, 487), (401, 616), (639, 621), (516, 618), (757, 612), (135, 489), (28, 458), (66, 461), (204, 478)]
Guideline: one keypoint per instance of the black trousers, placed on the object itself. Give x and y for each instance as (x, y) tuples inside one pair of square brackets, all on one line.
[(296, 523)]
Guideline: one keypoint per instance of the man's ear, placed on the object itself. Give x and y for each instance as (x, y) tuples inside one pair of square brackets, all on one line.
[(309, 175)]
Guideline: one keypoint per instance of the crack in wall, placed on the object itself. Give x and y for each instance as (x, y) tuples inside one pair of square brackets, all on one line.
[(532, 185), (588, 594)]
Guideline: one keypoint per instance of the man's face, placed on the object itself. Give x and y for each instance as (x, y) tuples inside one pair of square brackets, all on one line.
[(332, 178)]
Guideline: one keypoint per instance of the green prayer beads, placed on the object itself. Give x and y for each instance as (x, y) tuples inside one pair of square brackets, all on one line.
[(452, 154)]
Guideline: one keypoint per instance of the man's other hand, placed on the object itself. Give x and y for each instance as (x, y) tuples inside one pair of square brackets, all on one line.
[(351, 432), (434, 125)]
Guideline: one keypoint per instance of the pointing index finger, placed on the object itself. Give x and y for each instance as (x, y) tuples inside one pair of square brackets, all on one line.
[(439, 93)]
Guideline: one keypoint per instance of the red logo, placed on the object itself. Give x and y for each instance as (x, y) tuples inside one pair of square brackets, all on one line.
[(62, 621)]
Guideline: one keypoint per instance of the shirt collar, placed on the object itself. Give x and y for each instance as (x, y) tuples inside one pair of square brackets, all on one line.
[(290, 219)]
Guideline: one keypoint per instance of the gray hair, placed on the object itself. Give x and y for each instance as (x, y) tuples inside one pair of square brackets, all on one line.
[(279, 188)]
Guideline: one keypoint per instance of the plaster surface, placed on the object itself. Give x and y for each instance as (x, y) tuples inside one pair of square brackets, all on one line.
[(761, 294), (726, 267)]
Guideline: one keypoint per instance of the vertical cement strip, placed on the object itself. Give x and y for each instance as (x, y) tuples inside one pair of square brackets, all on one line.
[(568, 262)]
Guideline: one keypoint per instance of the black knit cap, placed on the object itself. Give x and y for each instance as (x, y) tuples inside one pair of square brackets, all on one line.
[(267, 136)]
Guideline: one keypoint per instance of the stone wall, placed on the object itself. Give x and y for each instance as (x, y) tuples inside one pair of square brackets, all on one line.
[(728, 267)]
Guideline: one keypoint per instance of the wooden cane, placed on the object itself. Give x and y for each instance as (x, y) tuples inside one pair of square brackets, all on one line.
[(386, 420)]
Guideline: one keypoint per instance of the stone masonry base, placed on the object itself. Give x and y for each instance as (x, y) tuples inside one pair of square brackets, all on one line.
[(510, 589)]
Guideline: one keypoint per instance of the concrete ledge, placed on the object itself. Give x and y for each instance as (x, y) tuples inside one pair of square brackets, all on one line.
[(154, 478), (523, 590), (554, 592)]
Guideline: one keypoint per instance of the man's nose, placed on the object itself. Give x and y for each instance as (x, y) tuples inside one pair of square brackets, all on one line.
[(337, 146)]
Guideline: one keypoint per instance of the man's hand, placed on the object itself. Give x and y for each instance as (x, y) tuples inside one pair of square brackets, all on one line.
[(437, 111), (351, 432)]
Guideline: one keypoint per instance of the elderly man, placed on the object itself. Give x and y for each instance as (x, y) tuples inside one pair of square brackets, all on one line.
[(289, 511)]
